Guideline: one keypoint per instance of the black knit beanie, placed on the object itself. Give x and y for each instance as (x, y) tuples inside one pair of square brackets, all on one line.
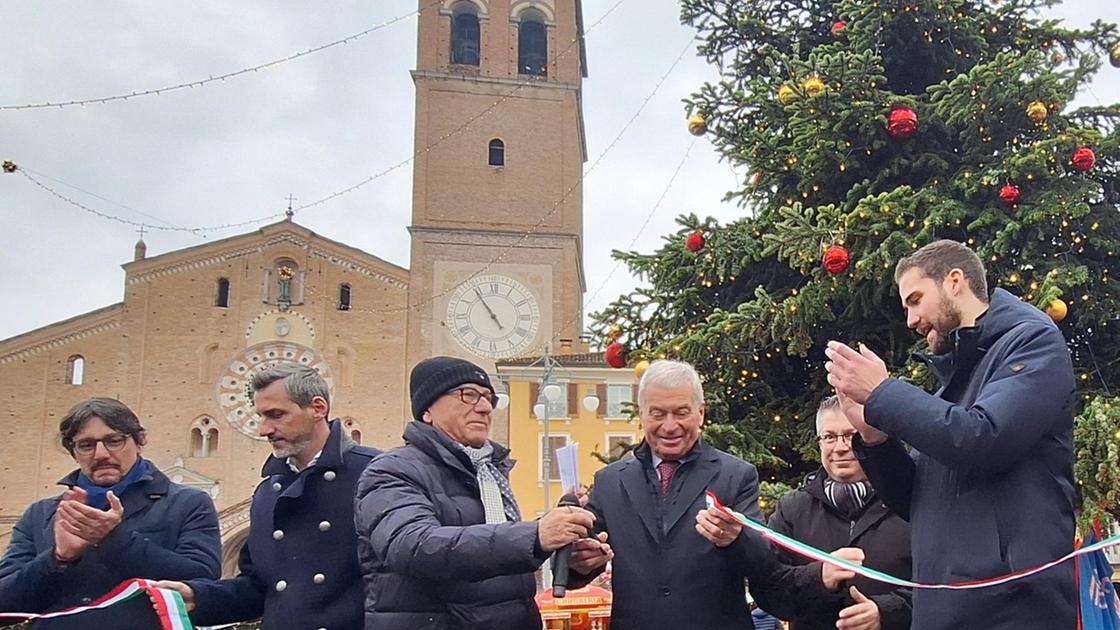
[(434, 377)]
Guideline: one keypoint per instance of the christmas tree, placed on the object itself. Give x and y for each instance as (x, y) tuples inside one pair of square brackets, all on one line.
[(868, 129)]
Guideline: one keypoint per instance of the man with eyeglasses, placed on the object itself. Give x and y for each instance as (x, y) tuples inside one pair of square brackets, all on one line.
[(120, 518), (837, 508), (440, 535), (299, 568)]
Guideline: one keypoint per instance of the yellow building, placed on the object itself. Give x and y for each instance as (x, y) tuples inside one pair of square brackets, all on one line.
[(606, 428)]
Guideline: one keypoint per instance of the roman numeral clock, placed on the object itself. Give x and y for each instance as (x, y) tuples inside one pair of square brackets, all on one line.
[(494, 316)]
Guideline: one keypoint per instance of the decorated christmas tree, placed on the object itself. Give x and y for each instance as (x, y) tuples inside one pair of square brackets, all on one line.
[(866, 130)]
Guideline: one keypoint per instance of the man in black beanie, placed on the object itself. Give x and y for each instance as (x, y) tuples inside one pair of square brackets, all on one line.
[(440, 537)]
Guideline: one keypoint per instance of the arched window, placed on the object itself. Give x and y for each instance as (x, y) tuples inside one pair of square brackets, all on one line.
[(344, 297), (353, 428), (356, 435), (75, 370), (532, 44), (497, 153), (222, 298), (465, 35), (204, 437)]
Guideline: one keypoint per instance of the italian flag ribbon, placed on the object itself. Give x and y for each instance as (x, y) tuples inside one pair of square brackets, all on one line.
[(812, 553), (169, 606)]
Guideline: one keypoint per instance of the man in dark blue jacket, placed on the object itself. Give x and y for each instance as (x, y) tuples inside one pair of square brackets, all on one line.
[(441, 539), (299, 566), (989, 490), (120, 518)]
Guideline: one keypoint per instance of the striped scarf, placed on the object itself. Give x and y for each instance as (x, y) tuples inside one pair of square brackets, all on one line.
[(494, 489), (848, 498)]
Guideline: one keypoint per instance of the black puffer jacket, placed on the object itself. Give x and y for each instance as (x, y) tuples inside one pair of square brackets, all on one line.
[(428, 558), (884, 538)]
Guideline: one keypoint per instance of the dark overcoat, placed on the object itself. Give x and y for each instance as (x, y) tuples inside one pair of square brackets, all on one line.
[(428, 557), (989, 487), (299, 566), (806, 515), (169, 532), (664, 573)]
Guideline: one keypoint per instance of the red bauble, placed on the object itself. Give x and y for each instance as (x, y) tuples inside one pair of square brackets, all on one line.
[(616, 355), (1084, 159), (1009, 194), (836, 259), (695, 241), (838, 27), (902, 123)]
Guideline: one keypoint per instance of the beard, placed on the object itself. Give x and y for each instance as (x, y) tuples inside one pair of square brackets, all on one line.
[(290, 448), (948, 319)]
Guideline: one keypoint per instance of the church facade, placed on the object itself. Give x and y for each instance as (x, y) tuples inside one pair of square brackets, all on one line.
[(495, 272)]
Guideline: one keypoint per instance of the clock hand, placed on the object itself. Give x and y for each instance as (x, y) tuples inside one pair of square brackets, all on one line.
[(488, 309)]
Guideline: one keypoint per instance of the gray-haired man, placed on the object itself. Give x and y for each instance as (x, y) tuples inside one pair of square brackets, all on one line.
[(299, 566)]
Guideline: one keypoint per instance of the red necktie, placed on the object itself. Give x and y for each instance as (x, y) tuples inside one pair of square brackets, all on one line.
[(666, 469)]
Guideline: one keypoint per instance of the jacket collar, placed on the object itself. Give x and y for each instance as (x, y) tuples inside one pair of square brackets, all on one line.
[(152, 486), (437, 445), (331, 458), (701, 465)]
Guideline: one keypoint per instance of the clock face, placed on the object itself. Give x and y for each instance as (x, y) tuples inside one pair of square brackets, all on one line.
[(493, 316)]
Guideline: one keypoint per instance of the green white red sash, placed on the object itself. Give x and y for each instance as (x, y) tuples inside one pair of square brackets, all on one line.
[(168, 604), (812, 553)]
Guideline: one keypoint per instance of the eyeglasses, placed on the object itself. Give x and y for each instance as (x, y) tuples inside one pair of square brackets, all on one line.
[(113, 443), (830, 438), (471, 396)]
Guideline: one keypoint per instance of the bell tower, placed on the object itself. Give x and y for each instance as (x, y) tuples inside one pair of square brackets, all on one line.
[(497, 209)]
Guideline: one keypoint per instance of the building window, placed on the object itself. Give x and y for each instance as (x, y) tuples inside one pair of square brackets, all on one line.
[(356, 435), (355, 430), (618, 444), (222, 298), (75, 370), (344, 297), (287, 283), (616, 396), (554, 442), (497, 153), (465, 35), (204, 437), (532, 44), (559, 408)]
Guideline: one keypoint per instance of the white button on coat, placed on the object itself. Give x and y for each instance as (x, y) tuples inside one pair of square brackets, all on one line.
[(329, 475), (276, 486), (324, 526), (281, 585), (278, 534), (319, 578)]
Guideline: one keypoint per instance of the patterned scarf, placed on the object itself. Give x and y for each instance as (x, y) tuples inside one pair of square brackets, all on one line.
[(494, 488), (848, 498), (97, 496)]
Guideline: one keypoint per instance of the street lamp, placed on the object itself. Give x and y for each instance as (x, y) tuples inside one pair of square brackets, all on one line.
[(591, 401)]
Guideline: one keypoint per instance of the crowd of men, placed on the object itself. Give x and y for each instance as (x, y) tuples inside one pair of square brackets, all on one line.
[(430, 535)]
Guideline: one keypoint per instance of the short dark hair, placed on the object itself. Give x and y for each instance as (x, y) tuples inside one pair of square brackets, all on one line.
[(115, 414), (938, 258)]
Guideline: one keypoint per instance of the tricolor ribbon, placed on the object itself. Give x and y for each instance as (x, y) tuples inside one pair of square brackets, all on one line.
[(169, 606), (812, 553)]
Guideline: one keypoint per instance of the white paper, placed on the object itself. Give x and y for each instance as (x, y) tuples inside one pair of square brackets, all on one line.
[(567, 459)]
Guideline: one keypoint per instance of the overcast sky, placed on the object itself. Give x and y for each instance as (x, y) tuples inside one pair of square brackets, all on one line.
[(232, 151)]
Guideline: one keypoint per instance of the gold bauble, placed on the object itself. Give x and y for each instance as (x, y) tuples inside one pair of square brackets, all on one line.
[(786, 94), (1114, 56), (614, 332), (1037, 112), (640, 368), (697, 125), (814, 85), (1057, 310)]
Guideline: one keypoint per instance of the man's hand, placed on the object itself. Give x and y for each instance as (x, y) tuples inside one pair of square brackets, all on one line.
[(180, 588), (718, 527), (563, 525), (863, 615), (90, 523), (854, 374), (588, 554), (834, 577), (853, 411)]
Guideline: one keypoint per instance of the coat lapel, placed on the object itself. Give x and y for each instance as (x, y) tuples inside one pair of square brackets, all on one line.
[(639, 493), (694, 483)]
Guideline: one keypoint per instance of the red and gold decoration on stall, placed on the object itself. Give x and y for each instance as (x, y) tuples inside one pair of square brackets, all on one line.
[(902, 122), (697, 125), (838, 27), (813, 85), (1010, 194), (695, 241), (836, 259), (1057, 309), (1083, 159), (1037, 112), (587, 608), (786, 94), (615, 355)]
